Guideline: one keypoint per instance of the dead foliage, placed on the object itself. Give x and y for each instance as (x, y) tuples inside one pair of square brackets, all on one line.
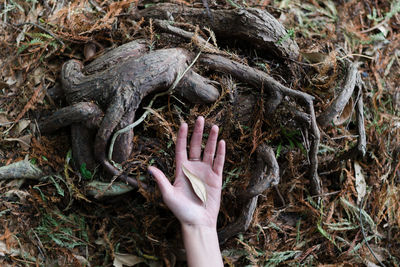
[(52, 222)]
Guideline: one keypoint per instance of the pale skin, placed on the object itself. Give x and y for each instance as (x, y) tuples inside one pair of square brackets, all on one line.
[(198, 219)]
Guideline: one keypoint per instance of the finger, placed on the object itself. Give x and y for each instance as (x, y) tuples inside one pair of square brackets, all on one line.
[(220, 158), (209, 151), (180, 148), (197, 136), (162, 182)]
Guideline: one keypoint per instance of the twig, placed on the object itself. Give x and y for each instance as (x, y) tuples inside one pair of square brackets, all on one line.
[(166, 26), (362, 139), (147, 112), (313, 153), (357, 55), (374, 27), (365, 236)]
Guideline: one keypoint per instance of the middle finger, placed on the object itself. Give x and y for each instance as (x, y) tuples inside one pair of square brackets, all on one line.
[(195, 141)]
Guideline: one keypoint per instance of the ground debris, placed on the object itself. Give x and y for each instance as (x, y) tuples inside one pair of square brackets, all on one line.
[(312, 217)]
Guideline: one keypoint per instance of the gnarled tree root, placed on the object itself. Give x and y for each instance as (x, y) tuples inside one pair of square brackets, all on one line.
[(335, 109), (254, 26), (260, 181), (332, 113), (86, 112), (260, 79), (120, 89)]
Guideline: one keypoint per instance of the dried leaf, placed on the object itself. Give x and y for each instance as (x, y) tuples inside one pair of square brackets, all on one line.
[(314, 57), (82, 260), (197, 184), (3, 119), (346, 113), (126, 259), (24, 141), (361, 185)]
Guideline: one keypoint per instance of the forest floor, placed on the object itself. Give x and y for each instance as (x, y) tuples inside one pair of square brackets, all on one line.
[(355, 221)]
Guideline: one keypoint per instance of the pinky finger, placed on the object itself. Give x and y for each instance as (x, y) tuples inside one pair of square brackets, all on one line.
[(220, 158)]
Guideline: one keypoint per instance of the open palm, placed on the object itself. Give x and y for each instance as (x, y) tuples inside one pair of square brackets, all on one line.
[(180, 197)]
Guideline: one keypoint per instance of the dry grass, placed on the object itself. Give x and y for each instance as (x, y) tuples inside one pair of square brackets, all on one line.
[(52, 222)]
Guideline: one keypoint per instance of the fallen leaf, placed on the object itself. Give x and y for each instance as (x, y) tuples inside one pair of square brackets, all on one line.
[(121, 259), (197, 184), (82, 260), (314, 57), (361, 185), (3, 84), (22, 124), (346, 113), (22, 195), (24, 141), (38, 74), (3, 119)]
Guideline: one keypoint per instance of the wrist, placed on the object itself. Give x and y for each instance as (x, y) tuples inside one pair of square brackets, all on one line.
[(188, 228), (202, 246)]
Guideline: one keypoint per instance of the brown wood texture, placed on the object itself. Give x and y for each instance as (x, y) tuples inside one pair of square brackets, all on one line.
[(88, 112), (118, 81), (260, 181), (336, 107), (254, 26)]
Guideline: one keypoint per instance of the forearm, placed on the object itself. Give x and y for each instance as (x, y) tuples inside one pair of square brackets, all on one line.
[(202, 247)]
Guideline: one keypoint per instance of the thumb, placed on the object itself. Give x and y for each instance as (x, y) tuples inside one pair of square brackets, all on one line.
[(162, 181)]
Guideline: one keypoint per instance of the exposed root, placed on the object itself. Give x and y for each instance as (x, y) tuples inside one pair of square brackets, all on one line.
[(362, 139), (241, 224), (88, 112), (21, 170), (260, 79), (260, 181), (335, 109), (265, 160), (99, 189), (166, 26), (254, 26)]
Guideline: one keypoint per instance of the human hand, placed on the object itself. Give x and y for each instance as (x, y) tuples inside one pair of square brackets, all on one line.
[(180, 197)]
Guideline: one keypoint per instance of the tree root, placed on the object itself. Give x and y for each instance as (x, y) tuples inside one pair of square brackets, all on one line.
[(260, 181), (362, 139), (335, 109), (21, 170), (88, 112), (99, 189), (260, 79), (251, 25), (265, 160)]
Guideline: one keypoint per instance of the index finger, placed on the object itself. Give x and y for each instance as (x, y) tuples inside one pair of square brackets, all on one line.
[(180, 147)]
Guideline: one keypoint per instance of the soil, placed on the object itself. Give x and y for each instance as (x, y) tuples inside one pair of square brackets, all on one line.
[(305, 95)]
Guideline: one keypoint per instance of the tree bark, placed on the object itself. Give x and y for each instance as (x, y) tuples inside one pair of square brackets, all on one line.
[(253, 26)]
